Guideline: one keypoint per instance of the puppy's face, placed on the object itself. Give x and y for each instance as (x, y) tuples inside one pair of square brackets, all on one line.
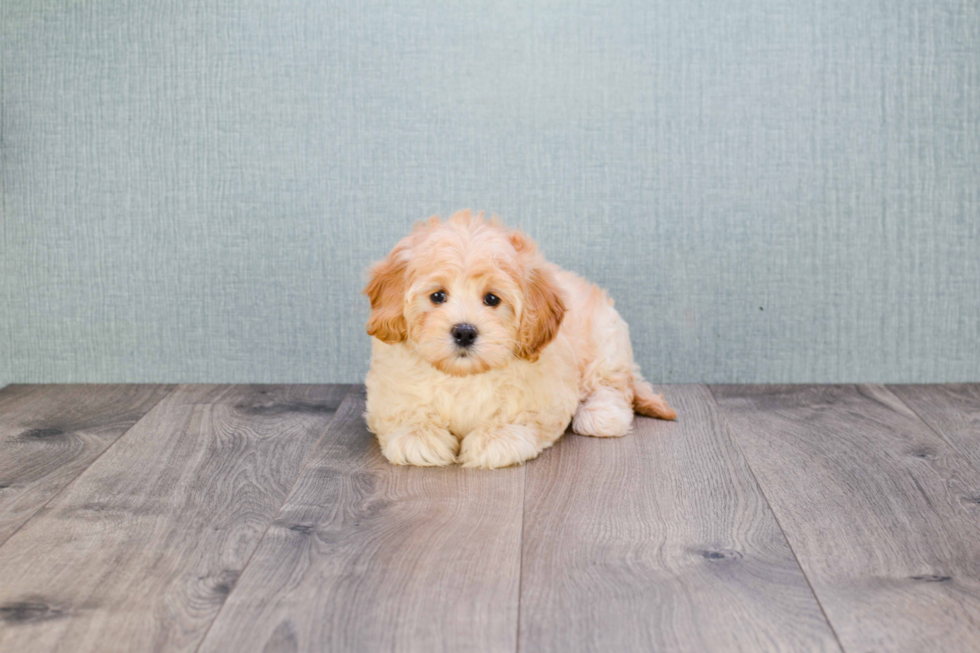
[(467, 296)]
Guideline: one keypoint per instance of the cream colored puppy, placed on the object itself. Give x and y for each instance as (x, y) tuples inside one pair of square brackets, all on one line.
[(483, 352)]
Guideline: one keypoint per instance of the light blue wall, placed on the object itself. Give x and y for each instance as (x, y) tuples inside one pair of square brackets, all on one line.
[(772, 191)]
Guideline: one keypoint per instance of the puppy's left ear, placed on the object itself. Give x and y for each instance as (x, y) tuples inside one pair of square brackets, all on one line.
[(542, 314), (386, 290)]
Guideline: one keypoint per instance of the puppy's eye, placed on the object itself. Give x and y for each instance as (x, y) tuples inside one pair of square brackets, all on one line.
[(490, 299), (438, 297)]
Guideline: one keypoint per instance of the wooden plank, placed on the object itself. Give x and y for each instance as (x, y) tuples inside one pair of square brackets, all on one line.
[(880, 511), (139, 553), (49, 434), (660, 540), (367, 556), (952, 410)]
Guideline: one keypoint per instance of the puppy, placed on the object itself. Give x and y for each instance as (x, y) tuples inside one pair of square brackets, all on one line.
[(483, 351)]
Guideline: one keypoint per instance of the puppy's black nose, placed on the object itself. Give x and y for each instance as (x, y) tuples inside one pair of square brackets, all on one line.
[(464, 334)]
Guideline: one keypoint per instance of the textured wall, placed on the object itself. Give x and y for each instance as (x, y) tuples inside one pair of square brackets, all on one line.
[(771, 190)]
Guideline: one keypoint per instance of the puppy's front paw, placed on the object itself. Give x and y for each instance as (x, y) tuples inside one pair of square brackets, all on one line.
[(426, 446), (499, 446)]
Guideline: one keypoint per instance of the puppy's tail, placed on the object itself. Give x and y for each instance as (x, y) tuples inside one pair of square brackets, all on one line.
[(647, 402)]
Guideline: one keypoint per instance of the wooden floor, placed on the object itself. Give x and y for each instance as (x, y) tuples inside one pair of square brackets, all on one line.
[(263, 518)]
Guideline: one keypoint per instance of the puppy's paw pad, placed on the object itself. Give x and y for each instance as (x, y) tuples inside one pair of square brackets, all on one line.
[(422, 446), (603, 415), (501, 446)]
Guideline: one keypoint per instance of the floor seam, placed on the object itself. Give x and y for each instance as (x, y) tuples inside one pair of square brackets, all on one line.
[(89, 466), (258, 545), (520, 562), (765, 497)]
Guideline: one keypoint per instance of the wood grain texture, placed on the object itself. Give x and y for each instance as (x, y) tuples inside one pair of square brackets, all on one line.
[(660, 540), (367, 556), (952, 410), (139, 553), (881, 511), (50, 433)]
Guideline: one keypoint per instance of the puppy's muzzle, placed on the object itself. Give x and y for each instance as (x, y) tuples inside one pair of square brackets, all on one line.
[(464, 334)]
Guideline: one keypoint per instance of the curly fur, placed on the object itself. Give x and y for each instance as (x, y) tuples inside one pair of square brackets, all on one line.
[(553, 351)]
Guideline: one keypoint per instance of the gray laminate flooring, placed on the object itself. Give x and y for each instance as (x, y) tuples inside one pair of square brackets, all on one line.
[(264, 518)]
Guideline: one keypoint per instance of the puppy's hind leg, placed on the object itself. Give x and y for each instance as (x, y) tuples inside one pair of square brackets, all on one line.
[(606, 413), (616, 387)]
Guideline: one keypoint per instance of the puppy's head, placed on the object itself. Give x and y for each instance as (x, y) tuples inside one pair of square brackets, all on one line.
[(467, 295)]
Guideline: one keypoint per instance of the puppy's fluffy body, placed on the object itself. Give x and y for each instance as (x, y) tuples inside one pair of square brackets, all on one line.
[(553, 350)]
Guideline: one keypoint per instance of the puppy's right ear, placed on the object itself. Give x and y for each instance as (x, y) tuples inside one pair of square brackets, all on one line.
[(386, 290)]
